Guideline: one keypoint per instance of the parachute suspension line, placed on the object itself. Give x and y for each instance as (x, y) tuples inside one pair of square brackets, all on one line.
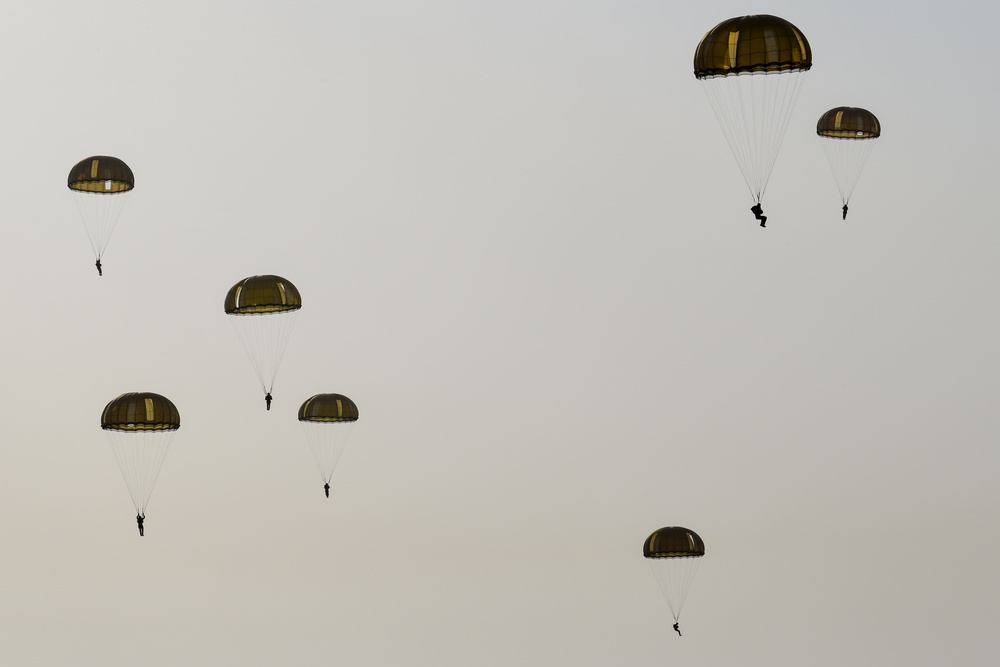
[(100, 213), (327, 442), (264, 338), (772, 98), (781, 109), (125, 466), (760, 112), (674, 575), (724, 102), (847, 158), (768, 100), (754, 111), (140, 456)]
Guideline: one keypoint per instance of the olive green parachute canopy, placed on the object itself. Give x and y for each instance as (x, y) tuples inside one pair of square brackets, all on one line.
[(140, 411), (674, 553), (848, 135), (751, 68), (260, 295), (263, 310), (101, 174), (673, 542), (328, 408), (848, 123), (757, 43), (327, 420), (140, 427)]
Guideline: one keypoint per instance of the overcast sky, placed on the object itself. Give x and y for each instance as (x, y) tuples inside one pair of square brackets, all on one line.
[(525, 251)]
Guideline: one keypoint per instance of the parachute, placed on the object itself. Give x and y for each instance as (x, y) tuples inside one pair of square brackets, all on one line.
[(263, 311), (848, 135), (751, 68), (327, 420), (139, 427), (100, 186), (674, 554)]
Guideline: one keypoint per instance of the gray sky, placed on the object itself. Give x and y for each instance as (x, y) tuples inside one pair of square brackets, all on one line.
[(525, 251)]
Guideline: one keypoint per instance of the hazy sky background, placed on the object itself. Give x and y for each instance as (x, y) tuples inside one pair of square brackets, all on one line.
[(525, 251)]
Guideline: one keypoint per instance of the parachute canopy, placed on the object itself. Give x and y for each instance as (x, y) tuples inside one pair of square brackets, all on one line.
[(757, 43), (674, 554), (261, 295), (101, 174), (673, 542), (140, 411), (848, 135), (848, 123), (140, 427), (263, 310), (751, 69), (326, 408)]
